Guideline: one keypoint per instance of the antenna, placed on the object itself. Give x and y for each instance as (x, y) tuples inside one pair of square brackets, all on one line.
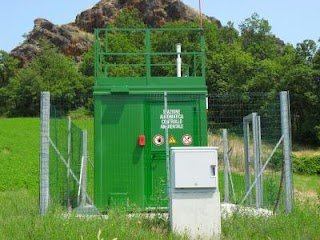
[(200, 13)]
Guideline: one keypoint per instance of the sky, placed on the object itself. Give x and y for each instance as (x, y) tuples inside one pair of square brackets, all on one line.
[(291, 20)]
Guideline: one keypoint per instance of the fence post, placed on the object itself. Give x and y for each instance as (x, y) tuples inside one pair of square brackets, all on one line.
[(257, 158), (44, 152), (68, 163), (285, 128), (260, 159), (225, 162), (246, 133), (84, 168)]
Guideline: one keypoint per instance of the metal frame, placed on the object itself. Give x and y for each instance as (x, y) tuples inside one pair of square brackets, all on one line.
[(253, 118)]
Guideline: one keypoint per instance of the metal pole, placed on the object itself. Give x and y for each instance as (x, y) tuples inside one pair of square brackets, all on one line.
[(285, 128), (246, 136), (260, 159), (44, 152), (226, 168), (147, 54), (68, 163), (179, 61), (167, 141), (84, 167), (256, 158), (262, 169)]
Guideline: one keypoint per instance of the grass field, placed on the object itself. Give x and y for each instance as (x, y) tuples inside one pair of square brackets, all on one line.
[(19, 218), (19, 154)]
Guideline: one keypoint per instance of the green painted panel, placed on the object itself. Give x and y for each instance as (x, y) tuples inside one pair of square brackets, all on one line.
[(120, 170), (182, 117), (126, 106)]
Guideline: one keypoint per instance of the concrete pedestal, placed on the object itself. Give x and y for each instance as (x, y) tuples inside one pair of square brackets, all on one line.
[(194, 195), (196, 214)]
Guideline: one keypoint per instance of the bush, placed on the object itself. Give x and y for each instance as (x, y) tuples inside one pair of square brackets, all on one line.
[(276, 161), (306, 165)]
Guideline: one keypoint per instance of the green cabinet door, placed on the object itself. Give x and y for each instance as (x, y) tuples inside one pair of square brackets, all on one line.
[(182, 119)]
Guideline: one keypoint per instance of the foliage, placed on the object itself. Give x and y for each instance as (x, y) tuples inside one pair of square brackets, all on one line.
[(8, 67), (306, 164), (257, 39), (276, 162), (49, 71), (86, 66)]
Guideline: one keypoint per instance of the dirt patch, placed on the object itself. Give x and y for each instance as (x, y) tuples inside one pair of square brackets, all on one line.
[(308, 196)]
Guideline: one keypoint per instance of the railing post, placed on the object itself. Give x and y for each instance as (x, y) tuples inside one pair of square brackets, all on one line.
[(44, 152), (147, 53), (285, 128)]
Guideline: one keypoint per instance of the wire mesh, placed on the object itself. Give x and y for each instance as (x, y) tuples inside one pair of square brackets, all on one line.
[(227, 111), (129, 165), (66, 153)]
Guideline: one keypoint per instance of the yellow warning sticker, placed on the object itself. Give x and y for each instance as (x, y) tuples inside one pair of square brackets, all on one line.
[(172, 140)]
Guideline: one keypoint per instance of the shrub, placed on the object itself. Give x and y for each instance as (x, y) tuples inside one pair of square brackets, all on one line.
[(306, 164), (276, 161)]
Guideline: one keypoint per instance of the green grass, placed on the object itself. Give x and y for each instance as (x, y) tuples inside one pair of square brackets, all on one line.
[(302, 223), (306, 183), (19, 154), (19, 218)]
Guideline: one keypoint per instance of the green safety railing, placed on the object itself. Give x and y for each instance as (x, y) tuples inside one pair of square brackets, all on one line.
[(147, 53)]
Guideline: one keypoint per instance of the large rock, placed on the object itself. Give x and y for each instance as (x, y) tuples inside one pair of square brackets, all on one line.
[(75, 38), (68, 38)]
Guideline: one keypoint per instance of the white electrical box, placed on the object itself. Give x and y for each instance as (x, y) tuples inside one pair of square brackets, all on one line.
[(194, 167)]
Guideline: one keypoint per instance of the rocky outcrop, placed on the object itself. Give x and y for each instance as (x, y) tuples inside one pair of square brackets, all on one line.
[(153, 12), (69, 39), (75, 38)]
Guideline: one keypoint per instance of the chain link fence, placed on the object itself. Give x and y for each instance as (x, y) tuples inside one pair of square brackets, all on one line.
[(69, 165), (135, 134), (251, 123)]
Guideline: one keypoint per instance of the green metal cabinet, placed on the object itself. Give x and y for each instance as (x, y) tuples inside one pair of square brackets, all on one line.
[(130, 118)]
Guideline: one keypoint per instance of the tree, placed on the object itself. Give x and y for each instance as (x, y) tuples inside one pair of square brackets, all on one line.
[(49, 71), (128, 18), (86, 66), (257, 38), (306, 50), (119, 42), (8, 68), (229, 67), (300, 78)]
